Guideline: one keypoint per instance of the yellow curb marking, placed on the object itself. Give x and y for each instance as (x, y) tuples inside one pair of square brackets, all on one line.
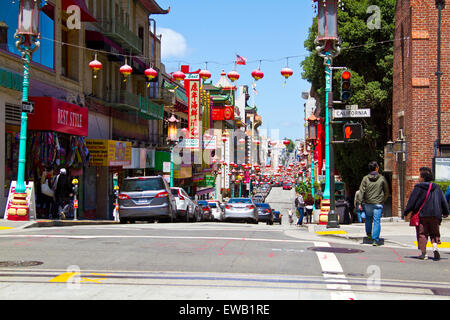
[(445, 245), (331, 232), (6, 228)]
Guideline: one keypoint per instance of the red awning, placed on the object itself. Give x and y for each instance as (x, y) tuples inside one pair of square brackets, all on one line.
[(86, 16), (51, 114), (96, 36)]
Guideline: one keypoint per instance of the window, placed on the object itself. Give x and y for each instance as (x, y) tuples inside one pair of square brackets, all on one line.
[(141, 36), (240, 201), (44, 55), (141, 184)]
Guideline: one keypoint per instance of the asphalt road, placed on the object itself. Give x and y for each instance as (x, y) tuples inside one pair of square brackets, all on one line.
[(183, 261)]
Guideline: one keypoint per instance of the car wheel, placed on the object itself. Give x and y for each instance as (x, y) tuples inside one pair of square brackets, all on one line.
[(122, 220)]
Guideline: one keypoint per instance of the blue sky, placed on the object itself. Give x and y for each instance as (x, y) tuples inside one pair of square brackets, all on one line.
[(196, 31)]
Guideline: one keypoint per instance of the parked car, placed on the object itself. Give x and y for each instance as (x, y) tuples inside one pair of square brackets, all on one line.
[(240, 209), (185, 205), (265, 213), (206, 214), (216, 210), (277, 216), (258, 198), (287, 185), (146, 198)]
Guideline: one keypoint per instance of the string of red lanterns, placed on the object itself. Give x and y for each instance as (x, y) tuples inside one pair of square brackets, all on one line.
[(205, 74)]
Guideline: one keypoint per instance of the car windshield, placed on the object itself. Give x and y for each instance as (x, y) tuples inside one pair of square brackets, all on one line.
[(236, 200), (212, 205), (262, 205), (142, 184), (202, 203), (175, 192)]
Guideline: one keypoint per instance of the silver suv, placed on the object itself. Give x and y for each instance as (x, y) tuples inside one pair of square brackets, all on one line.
[(146, 198)]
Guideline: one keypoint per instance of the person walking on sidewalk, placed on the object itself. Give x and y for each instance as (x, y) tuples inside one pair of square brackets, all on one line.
[(300, 206), (373, 193), (434, 207)]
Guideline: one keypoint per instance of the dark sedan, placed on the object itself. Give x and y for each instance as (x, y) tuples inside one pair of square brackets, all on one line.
[(265, 213), (206, 214), (277, 216)]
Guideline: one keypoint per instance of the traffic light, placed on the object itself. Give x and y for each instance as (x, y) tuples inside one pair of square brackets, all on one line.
[(353, 131), (345, 85)]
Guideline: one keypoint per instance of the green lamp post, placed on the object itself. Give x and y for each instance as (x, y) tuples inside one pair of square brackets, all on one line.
[(27, 43), (328, 47)]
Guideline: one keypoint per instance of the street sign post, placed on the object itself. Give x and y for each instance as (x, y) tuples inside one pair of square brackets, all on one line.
[(351, 113), (28, 107)]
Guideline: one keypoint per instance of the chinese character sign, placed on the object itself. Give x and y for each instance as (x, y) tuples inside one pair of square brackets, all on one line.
[(194, 109)]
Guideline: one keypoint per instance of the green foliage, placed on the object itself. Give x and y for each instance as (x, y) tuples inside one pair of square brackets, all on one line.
[(443, 184), (368, 54), (305, 187)]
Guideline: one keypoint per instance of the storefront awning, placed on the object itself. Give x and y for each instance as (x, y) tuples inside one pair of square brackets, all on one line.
[(205, 191), (86, 16), (51, 114)]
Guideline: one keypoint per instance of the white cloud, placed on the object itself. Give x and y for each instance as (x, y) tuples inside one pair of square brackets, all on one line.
[(173, 44)]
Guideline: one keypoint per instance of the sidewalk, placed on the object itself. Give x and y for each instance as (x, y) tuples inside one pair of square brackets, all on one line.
[(8, 225), (393, 231)]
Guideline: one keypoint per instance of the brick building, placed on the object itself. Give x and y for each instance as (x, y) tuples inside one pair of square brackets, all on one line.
[(415, 98)]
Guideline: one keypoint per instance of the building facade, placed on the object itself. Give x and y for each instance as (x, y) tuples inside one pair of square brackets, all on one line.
[(415, 100)]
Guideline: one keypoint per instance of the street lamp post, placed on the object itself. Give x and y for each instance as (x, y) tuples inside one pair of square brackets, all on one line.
[(27, 43), (328, 48)]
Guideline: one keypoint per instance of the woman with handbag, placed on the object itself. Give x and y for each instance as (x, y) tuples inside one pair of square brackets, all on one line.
[(425, 208)]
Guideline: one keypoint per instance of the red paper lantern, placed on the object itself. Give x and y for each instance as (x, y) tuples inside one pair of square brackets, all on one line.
[(286, 142), (233, 76), (95, 66), (205, 74), (150, 73), (126, 70), (287, 72), (178, 76), (257, 74)]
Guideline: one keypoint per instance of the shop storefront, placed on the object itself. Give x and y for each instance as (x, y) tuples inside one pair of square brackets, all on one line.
[(55, 140), (108, 157)]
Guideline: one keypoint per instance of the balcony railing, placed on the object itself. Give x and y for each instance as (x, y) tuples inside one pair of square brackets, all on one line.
[(119, 32), (134, 103), (164, 97)]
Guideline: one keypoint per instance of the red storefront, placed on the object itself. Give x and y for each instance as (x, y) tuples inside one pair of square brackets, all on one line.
[(56, 115), (55, 139)]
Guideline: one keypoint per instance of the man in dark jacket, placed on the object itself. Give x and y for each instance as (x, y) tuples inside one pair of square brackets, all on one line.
[(373, 193), (63, 191), (434, 208)]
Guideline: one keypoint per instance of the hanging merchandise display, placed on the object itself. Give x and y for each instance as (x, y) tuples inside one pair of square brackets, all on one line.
[(52, 149)]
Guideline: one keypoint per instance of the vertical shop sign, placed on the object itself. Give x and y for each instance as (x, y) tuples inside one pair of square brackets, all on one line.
[(193, 86)]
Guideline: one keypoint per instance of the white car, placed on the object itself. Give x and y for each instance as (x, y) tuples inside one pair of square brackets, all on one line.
[(216, 210), (185, 205)]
